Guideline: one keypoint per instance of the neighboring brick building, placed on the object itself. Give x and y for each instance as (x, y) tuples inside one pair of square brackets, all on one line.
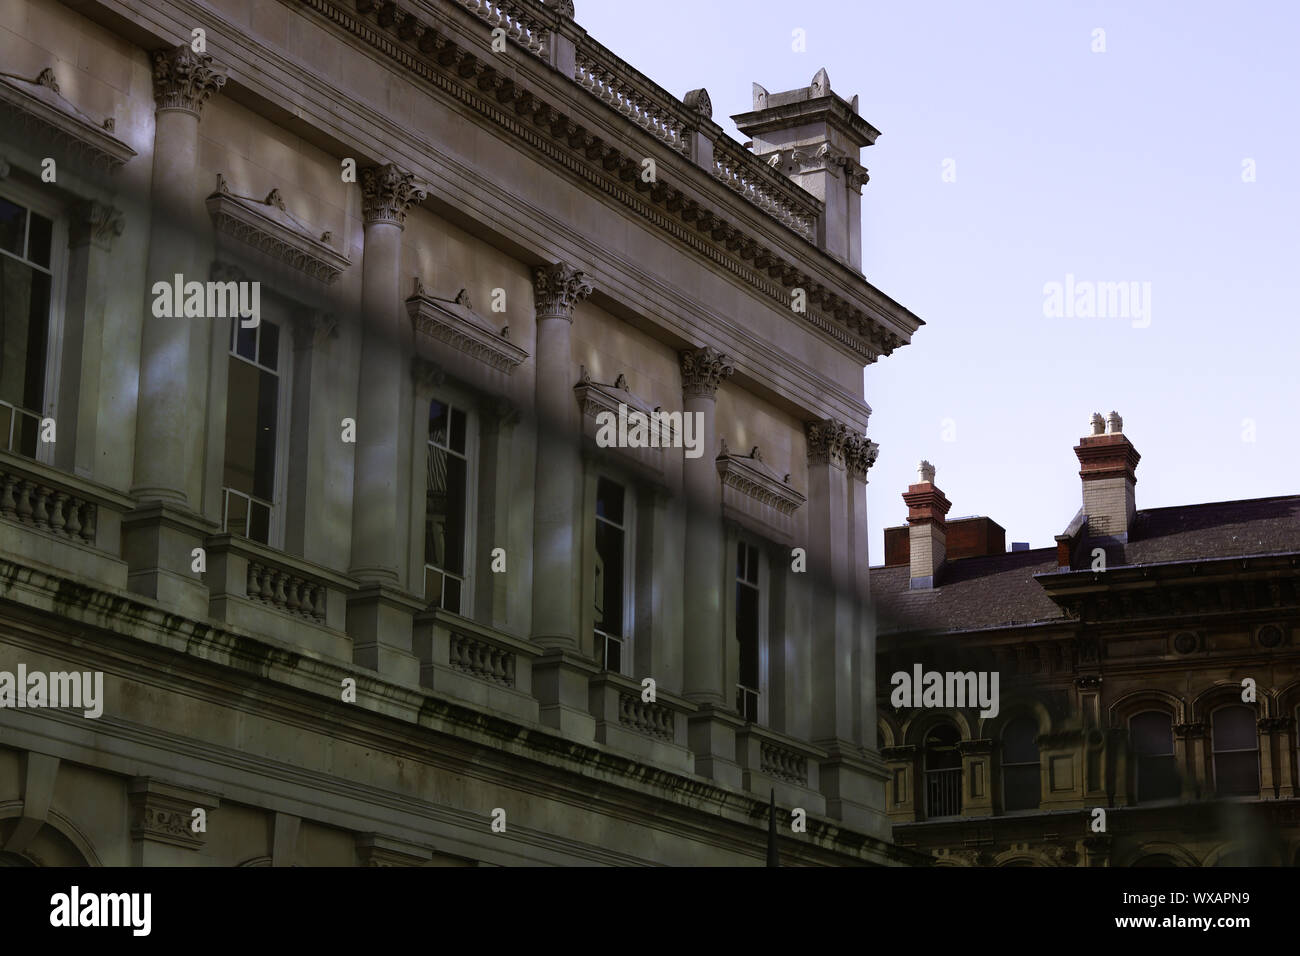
[(1121, 687)]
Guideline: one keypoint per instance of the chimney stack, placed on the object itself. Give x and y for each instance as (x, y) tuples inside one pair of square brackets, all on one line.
[(927, 530), (815, 137), (1107, 462)]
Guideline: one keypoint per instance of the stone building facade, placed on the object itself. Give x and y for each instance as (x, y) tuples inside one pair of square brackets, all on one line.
[(314, 310), (1149, 667)]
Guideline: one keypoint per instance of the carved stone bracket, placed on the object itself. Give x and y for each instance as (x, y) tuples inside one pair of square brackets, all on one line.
[(756, 497), (704, 369), (1196, 729), (981, 746), (94, 222), (162, 813), (557, 289), (185, 80), (387, 193)]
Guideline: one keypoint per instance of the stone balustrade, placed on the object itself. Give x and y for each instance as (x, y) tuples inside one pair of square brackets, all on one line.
[(77, 523), (653, 720), (481, 659), (759, 185), (522, 24), (774, 761), (782, 763), (607, 80), (654, 729), (277, 594)]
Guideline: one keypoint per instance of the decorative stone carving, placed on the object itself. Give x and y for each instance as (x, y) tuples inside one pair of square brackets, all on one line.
[(563, 7), (95, 222), (703, 370), (860, 454), (426, 374), (387, 193), (925, 472), (760, 97), (1098, 424), (316, 327), (557, 289), (821, 83), (39, 106), (757, 497), (270, 228), (455, 323), (982, 746), (1114, 424), (827, 441), (699, 101), (185, 80), (161, 813), (1193, 730)]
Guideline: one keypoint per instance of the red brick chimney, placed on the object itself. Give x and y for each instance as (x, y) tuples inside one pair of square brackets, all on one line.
[(927, 529), (1107, 462)]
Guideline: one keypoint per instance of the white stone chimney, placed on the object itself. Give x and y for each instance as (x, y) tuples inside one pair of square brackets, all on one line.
[(815, 137)]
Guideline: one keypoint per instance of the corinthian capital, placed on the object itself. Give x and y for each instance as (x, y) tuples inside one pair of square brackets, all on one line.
[(184, 80), (859, 455), (386, 194), (703, 370), (557, 289), (828, 441)]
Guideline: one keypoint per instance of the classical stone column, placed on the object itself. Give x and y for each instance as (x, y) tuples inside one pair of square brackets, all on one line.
[(93, 227), (159, 536), (168, 448), (706, 649), (556, 290), (852, 777), (859, 455), (560, 676), (380, 613), (713, 727)]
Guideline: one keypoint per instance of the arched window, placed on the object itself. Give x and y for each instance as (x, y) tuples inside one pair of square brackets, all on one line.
[(1021, 778), (942, 772), (1236, 751), (1156, 770)]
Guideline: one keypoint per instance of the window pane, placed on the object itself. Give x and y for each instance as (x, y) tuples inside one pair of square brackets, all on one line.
[(1152, 733), (252, 407), (1234, 729), (13, 227), (39, 235), (457, 441), (259, 522), (941, 748), (740, 561), (438, 415), (1020, 787), (609, 577), (236, 514), (444, 510), (268, 410), (747, 633), (1157, 778), (25, 294), (1236, 773), (451, 594), (751, 564), (268, 348), (609, 501), (245, 340), (613, 655), (433, 586), (1018, 744)]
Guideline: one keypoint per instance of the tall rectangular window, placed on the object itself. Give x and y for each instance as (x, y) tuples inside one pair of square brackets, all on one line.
[(446, 507), (748, 631), (26, 241), (252, 423), (613, 511)]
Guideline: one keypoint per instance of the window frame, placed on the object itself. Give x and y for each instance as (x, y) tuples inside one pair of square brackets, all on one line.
[(452, 399), (1215, 751), (763, 614), (1138, 756), (44, 204), (283, 320), (1004, 764), (628, 528)]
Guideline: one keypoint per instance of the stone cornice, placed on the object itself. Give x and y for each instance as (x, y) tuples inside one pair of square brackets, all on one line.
[(454, 322), (185, 80), (703, 370), (387, 193), (731, 240), (595, 397), (557, 289), (269, 227), (39, 104)]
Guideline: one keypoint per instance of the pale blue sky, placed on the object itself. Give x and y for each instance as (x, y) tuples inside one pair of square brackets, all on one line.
[(1117, 166)]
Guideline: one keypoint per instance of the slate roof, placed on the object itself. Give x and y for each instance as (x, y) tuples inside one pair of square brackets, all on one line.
[(999, 590)]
